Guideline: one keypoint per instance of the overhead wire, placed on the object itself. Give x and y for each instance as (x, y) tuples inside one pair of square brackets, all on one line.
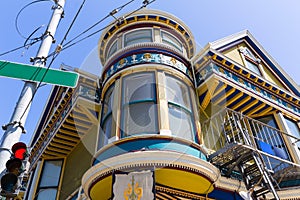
[(69, 44), (114, 11), (34, 40), (51, 62), (21, 10), (20, 47)]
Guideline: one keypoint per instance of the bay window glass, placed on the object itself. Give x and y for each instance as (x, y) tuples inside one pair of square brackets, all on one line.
[(169, 39), (106, 131), (179, 106), (49, 180), (180, 122), (139, 109), (113, 49), (138, 36), (293, 129)]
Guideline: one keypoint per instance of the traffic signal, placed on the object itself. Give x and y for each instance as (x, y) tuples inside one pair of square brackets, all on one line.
[(14, 168)]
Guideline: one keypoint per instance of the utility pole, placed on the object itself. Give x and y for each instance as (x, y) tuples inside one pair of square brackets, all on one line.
[(15, 127)]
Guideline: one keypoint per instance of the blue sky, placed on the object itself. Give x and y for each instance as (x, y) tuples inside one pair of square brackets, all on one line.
[(274, 23)]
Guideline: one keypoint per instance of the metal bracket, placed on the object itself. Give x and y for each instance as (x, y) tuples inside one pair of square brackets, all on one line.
[(19, 124)]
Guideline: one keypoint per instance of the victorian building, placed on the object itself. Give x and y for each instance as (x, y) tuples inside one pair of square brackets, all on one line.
[(163, 121)]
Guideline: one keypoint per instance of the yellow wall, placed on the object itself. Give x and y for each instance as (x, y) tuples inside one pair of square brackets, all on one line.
[(270, 77), (234, 54), (77, 163)]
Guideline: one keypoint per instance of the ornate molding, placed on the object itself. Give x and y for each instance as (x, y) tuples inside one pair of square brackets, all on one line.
[(146, 58)]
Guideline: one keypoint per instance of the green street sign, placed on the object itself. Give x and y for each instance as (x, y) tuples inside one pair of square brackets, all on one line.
[(38, 74)]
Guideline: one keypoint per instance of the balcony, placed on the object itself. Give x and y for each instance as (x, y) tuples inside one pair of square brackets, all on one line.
[(244, 148)]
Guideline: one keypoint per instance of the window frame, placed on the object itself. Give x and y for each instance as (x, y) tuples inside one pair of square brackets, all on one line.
[(186, 110), (296, 123), (109, 52), (40, 188), (104, 118), (253, 63), (125, 105), (249, 58), (167, 42), (125, 44)]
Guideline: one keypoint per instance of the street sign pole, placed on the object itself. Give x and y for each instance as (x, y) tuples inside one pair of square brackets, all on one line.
[(15, 127)]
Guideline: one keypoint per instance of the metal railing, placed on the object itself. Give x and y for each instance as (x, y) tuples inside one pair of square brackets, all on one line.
[(228, 126)]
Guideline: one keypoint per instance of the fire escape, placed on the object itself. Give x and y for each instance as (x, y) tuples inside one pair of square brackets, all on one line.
[(249, 150)]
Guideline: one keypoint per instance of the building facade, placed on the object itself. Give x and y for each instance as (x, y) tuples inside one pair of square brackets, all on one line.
[(164, 122)]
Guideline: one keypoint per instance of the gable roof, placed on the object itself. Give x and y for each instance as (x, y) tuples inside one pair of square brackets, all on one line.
[(247, 36)]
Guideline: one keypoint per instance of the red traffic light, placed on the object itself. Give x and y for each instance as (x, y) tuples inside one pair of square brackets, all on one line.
[(19, 150)]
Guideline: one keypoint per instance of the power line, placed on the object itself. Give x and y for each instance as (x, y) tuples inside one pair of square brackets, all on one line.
[(56, 53), (21, 10), (73, 21), (69, 44), (20, 47), (114, 11), (51, 62)]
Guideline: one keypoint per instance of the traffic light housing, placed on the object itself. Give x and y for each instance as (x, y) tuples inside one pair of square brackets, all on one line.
[(14, 168)]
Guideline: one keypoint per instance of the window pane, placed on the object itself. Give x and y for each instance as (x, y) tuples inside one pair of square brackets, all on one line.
[(49, 194), (105, 132), (138, 37), (140, 118), (171, 40), (294, 129), (139, 87), (178, 92), (113, 49), (252, 67), (108, 102), (51, 173), (180, 123)]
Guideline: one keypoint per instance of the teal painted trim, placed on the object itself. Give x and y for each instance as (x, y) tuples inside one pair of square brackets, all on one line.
[(140, 101), (151, 58), (212, 68), (290, 183), (181, 107), (145, 144)]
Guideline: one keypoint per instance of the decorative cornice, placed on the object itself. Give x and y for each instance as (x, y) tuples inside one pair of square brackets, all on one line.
[(147, 16), (159, 47), (248, 80), (145, 58), (140, 159)]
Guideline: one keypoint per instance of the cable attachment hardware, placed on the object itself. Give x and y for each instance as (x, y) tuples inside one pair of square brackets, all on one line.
[(58, 48), (41, 59), (145, 3), (56, 6), (47, 33), (120, 20), (113, 12), (19, 124)]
